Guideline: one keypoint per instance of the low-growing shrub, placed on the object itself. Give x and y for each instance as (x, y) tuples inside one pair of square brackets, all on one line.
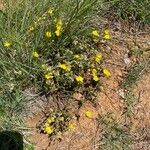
[(53, 46), (50, 44)]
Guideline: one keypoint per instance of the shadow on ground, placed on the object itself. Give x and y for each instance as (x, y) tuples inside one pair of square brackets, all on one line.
[(10, 140)]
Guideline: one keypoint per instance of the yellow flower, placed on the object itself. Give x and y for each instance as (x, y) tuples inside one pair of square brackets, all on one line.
[(65, 67), (107, 37), (94, 71), (88, 114), (70, 125), (50, 11), (95, 78), (58, 27), (107, 34), (35, 54), (50, 120), (48, 34), (95, 33), (48, 130), (7, 44), (77, 56), (98, 57), (58, 32), (106, 72), (48, 76), (31, 29), (79, 79)]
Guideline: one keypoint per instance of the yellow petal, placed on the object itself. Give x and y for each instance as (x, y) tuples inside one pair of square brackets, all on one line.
[(7, 44), (50, 120), (58, 32), (107, 37), (79, 79), (65, 67), (35, 54), (98, 57), (106, 72), (95, 78), (77, 56), (94, 71), (88, 114), (71, 125), (95, 33), (48, 130), (48, 34), (48, 76), (50, 11)]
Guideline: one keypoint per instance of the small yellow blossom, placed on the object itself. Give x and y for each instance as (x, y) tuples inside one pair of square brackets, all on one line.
[(65, 67), (50, 120), (58, 27), (94, 71), (70, 125), (95, 78), (35, 54), (95, 33), (88, 114), (50, 11), (98, 57), (107, 37), (7, 44), (58, 32), (106, 72), (48, 76), (79, 79), (77, 56), (31, 29), (48, 34), (107, 34), (48, 130)]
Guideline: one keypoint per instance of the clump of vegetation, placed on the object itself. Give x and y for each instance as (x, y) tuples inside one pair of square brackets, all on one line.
[(135, 72), (56, 122), (133, 75), (113, 134), (52, 46)]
